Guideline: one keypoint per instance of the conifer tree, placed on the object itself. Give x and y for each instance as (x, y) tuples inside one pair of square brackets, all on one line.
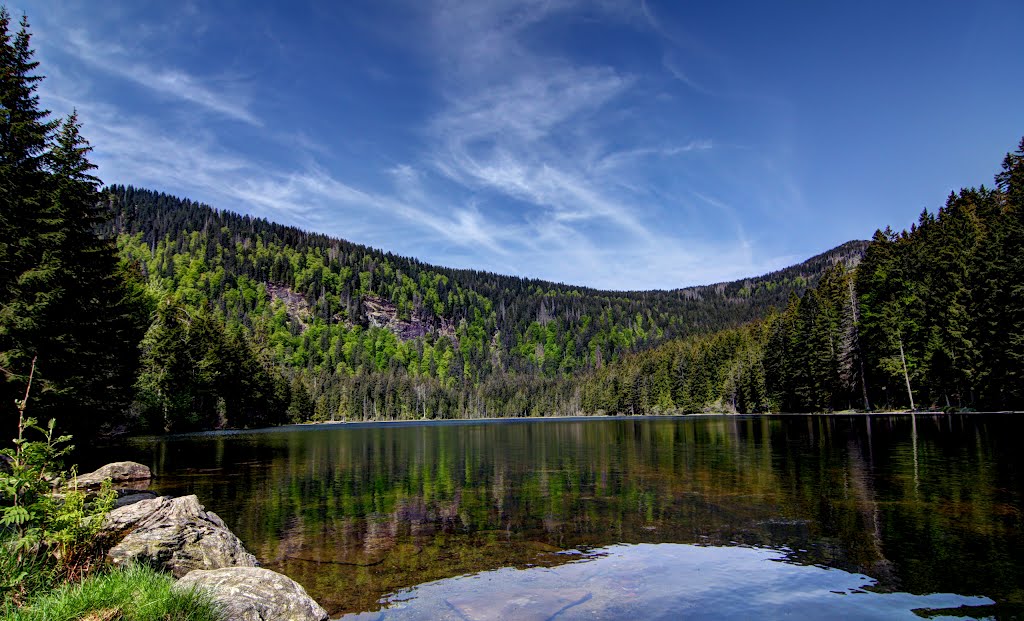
[(63, 299), (27, 264), (1010, 182)]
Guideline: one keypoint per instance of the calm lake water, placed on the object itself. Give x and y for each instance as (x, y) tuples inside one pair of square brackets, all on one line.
[(704, 517)]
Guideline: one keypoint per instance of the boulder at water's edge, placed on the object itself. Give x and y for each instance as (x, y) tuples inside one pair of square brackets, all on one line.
[(117, 472), (255, 594), (174, 534)]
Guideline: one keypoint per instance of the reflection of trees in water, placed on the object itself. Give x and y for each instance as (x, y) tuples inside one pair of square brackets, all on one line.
[(384, 508), (863, 491)]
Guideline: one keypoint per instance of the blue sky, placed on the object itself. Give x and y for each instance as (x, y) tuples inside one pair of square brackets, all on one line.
[(620, 145)]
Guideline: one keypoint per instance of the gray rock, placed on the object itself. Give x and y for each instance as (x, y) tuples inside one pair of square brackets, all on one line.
[(117, 472), (255, 594), (176, 534), (126, 497)]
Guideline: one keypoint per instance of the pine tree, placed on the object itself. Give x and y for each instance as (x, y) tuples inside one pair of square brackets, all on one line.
[(1010, 182), (63, 297), (92, 334), (889, 302), (27, 264)]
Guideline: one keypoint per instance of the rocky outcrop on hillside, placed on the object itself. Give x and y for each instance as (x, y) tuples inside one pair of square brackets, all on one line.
[(382, 313), (295, 304), (255, 594), (377, 311)]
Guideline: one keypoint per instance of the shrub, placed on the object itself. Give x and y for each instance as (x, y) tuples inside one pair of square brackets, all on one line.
[(47, 534)]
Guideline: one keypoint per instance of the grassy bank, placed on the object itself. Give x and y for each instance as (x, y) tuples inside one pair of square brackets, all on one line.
[(123, 594)]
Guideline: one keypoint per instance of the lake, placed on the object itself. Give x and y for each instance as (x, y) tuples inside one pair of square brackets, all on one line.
[(715, 517)]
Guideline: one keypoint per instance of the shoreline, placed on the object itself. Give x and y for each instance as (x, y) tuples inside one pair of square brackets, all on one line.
[(429, 422)]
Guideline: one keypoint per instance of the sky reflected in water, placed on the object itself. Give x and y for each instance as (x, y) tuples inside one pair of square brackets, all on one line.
[(663, 581), (356, 513)]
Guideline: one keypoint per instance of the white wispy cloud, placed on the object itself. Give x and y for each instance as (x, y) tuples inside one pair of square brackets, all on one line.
[(529, 125), (627, 157), (192, 160), (528, 166), (134, 150), (516, 120), (315, 191), (672, 65), (555, 134), (218, 96)]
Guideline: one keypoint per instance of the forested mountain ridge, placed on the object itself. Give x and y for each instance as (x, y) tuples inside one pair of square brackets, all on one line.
[(345, 282), (927, 317), (363, 333)]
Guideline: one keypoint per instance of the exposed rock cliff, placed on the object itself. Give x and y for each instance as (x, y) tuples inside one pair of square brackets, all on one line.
[(383, 314), (374, 311)]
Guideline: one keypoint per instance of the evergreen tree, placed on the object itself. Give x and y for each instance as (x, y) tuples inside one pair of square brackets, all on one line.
[(1006, 273), (90, 349), (64, 299), (27, 265)]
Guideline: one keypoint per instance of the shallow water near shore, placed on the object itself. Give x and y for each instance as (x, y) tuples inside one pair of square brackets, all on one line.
[(709, 517), (665, 581)]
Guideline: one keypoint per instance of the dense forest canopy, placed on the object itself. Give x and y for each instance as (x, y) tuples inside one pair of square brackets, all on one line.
[(144, 311), (933, 317), (360, 333)]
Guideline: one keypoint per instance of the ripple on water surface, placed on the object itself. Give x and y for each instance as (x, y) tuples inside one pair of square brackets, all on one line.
[(665, 581)]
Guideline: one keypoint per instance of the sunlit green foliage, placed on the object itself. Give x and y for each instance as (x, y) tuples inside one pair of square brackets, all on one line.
[(134, 593), (931, 318), (460, 343), (47, 529)]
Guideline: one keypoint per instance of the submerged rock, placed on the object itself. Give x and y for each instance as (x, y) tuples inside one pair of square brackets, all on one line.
[(117, 472), (176, 534), (525, 604), (255, 594)]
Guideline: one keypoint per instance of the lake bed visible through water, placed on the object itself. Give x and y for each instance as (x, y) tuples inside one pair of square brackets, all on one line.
[(860, 516)]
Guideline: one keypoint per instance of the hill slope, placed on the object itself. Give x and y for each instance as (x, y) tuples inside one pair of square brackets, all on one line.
[(330, 312), (363, 285)]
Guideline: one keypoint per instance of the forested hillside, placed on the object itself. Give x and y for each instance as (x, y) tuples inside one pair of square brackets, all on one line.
[(932, 317), (362, 333)]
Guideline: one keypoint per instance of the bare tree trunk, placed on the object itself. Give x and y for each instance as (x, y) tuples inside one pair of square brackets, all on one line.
[(856, 339), (906, 376)]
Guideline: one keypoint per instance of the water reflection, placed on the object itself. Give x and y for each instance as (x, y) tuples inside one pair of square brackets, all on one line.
[(666, 581), (931, 504)]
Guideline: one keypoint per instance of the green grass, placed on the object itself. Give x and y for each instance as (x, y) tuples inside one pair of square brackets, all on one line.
[(29, 575), (128, 594)]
